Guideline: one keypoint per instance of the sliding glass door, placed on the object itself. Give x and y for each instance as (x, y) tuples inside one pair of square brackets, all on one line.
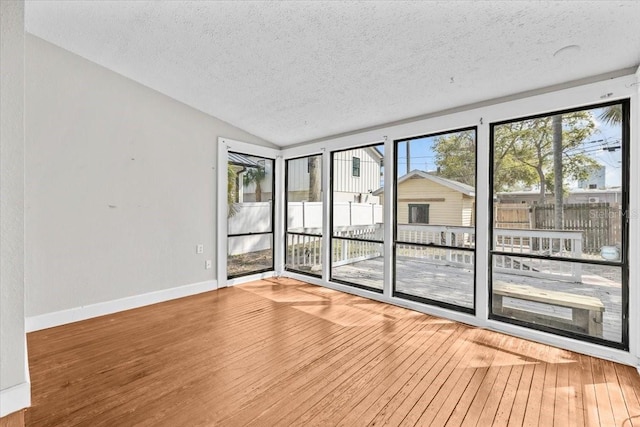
[(250, 195), (559, 222)]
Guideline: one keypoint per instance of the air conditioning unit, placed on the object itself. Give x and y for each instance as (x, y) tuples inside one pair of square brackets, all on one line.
[(594, 200)]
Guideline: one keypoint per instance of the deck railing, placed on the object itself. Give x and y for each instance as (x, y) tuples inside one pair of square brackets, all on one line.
[(304, 247)]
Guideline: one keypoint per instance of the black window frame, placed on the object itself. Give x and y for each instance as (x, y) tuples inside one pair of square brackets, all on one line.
[(624, 259), (355, 239), (424, 300), (273, 218), (287, 233)]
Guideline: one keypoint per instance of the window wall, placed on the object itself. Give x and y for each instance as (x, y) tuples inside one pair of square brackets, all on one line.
[(435, 202), (499, 254), (304, 215), (357, 252), (250, 191), (559, 224)]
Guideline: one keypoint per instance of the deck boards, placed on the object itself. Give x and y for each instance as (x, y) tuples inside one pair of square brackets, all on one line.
[(281, 352)]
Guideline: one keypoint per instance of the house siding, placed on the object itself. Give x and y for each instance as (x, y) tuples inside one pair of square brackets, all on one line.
[(450, 211)]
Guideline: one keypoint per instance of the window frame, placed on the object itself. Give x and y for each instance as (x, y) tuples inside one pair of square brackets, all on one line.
[(286, 215), (418, 205), (331, 222), (355, 170), (271, 225), (424, 300), (623, 263)]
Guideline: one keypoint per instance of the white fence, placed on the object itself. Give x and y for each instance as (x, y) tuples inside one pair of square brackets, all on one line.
[(255, 217), (309, 214)]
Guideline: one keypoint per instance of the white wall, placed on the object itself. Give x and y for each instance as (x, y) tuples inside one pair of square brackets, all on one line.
[(120, 185), (14, 382)]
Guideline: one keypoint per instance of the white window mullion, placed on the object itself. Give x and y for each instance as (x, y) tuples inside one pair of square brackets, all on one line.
[(389, 197), (326, 213), (483, 223)]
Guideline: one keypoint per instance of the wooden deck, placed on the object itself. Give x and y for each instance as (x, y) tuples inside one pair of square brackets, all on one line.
[(281, 352)]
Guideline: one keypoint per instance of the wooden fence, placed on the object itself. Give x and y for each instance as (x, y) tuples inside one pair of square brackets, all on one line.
[(507, 215), (600, 223)]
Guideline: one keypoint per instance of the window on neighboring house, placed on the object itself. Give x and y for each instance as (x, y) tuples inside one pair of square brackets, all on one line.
[(418, 214), (355, 170)]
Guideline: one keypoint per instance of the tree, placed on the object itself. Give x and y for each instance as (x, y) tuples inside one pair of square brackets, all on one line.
[(232, 177), (522, 153), (456, 156), (612, 115), (556, 123), (315, 178), (255, 175)]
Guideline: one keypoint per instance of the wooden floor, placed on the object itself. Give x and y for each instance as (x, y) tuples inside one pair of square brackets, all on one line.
[(280, 352)]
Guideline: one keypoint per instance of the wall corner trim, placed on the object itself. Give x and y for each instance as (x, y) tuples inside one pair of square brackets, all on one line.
[(15, 398), (63, 317)]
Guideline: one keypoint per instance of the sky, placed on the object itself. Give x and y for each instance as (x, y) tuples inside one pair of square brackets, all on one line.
[(598, 147)]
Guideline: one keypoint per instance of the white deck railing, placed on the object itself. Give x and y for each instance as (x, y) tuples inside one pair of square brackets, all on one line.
[(306, 250)]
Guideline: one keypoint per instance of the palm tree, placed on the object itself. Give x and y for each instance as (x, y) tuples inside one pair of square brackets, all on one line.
[(612, 115), (255, 175), (231, 191)]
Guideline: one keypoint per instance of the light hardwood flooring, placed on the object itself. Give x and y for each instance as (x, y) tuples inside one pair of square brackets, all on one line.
[(281, 352)]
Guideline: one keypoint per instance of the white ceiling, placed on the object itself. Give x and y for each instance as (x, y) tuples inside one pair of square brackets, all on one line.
[(291, 72)]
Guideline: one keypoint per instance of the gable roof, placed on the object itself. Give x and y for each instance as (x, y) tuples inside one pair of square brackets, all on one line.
[(449, 183)]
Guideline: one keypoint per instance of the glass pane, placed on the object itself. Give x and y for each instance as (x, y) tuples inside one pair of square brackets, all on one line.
[(445, 275), (248, 254), (581, 298), (579, 154), (358, 198), (304, 253), (304, 195), (249, 194), (436, 189), (356, 262)]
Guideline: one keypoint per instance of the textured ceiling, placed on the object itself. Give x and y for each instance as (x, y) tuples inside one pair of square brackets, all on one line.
[(291, 72)]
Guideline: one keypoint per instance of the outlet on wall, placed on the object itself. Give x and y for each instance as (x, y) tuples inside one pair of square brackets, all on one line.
[(207, 264), (199, 249)]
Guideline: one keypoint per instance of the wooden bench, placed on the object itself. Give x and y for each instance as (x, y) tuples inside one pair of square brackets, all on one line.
[(586, 312)]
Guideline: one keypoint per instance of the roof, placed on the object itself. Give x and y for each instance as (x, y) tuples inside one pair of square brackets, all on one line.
[(242, 160), (449, 183)]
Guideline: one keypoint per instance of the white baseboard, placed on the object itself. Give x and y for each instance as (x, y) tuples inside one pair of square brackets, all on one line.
[(49, 320), (15, 398)]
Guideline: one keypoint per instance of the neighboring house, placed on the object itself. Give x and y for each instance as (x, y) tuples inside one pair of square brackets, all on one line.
[(356, 174), (241, 164), (596, 179), (577, 195), (529, 197), (424, 198), (609, 195)]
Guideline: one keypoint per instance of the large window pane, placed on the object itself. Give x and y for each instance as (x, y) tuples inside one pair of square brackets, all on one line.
[(357, 218), (575, 297), (444, 275), (250, 216), (304, 215), (358, 262), (559, 195), (435, 219), (249, 254)]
